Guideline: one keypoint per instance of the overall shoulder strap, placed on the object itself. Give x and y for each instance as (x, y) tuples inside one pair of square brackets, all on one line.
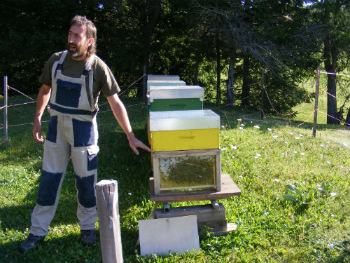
[(90, 72), (58, 64)]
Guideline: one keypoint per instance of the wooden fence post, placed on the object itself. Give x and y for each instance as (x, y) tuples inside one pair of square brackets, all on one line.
[(108, 212), (316, 101), (5, 111)]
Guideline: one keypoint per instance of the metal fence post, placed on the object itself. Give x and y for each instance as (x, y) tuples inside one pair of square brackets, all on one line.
[(5, 111), (316, 101)]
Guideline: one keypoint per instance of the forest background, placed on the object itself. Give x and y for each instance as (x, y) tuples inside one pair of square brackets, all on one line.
[(231, 48)]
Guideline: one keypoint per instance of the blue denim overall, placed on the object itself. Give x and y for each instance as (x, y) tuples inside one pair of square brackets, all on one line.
[(72, 133)]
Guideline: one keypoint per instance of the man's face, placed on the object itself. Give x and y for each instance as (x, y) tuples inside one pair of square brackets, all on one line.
[(77, 42)]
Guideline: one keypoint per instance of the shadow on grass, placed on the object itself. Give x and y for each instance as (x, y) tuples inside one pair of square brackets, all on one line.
[(64, 249), (67, 249)]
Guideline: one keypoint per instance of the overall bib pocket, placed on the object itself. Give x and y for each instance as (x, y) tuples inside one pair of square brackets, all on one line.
[(68, 93)]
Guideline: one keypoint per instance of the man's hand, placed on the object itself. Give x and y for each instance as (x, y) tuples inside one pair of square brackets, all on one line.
[(136, 143), (37, 130), (42, 100)]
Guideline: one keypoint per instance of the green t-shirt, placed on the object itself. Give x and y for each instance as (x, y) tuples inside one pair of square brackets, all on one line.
[(103, 77)]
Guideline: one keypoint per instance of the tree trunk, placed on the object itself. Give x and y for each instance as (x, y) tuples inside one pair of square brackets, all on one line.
[(331, 56), (196, 74), (231, 80), (218, 73), (348, 118), (148, 20), (332, 101), (246, 85)]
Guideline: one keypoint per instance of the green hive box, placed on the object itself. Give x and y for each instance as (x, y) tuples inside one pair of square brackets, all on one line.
[(176, 104), (175, 98)]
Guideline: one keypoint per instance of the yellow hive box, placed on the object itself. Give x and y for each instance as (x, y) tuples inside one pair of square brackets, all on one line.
[(183, 130), (185, 140)]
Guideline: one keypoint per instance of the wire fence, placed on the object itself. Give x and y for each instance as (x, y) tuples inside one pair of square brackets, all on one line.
[(2, 126)]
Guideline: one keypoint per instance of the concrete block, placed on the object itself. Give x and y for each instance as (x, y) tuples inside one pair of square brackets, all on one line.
[(176, 235)]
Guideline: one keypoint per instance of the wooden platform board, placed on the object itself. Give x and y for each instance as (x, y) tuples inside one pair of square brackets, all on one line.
[(228, 188)]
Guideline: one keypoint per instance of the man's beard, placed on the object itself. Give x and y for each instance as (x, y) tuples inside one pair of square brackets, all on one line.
[(78, 50)]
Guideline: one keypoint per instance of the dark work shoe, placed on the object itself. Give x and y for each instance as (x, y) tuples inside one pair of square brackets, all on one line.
[(31, 242), (88, 237)]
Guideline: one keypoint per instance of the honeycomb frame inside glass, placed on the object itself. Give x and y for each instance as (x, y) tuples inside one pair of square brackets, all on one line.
[(186, 171)]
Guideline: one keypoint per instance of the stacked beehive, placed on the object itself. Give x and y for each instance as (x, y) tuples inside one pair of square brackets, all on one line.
[(184, 137)]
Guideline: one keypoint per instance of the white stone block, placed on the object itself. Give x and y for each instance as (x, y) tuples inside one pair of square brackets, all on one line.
[(175, 235)]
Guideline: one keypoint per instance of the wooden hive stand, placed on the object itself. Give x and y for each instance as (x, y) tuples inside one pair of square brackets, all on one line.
[(210, 217)]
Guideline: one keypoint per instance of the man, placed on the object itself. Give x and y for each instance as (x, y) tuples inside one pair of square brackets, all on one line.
[(71, 83)]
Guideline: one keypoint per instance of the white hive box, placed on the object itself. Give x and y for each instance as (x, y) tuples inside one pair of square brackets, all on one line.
[(163, 77), (151, 83), (178, 92)]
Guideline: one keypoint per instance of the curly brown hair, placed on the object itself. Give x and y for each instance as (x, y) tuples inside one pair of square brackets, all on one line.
[(91, 31)]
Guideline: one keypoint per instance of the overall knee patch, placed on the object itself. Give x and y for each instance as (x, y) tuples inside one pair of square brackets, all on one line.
[(48, 187), (86, 190), (84, 133)]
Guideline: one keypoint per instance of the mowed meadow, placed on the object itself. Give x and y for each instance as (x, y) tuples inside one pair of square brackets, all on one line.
[(294, 206)]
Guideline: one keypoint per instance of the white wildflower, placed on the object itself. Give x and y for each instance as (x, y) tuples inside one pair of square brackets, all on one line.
[(333, 194), (257, 126)]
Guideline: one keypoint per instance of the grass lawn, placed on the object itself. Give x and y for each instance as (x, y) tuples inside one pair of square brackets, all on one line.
[(294, 207)]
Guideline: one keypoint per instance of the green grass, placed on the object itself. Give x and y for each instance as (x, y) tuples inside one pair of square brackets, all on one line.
[(294, 205)]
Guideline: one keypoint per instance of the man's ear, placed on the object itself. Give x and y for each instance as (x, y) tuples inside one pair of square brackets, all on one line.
[(91, 41)]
